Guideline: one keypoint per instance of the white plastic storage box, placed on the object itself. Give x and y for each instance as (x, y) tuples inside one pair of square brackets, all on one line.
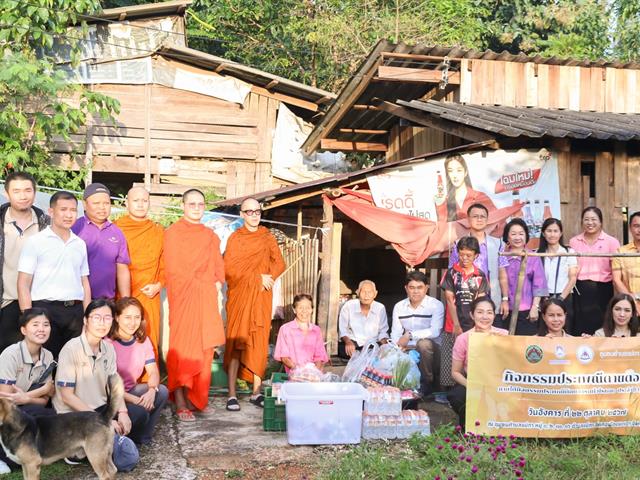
[(323, 413)]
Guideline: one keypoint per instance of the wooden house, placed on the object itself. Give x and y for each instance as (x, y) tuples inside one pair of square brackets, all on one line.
[(412, 105), (187, 118)]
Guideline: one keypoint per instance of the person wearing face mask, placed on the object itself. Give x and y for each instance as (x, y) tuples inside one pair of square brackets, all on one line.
[(516, 236), (554, 317), (483, 314), (620, 318), (594, 285)]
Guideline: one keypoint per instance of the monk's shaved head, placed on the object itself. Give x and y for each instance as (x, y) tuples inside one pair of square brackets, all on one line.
[(135, 191), (250, 204), (138, 203), (191, 192)]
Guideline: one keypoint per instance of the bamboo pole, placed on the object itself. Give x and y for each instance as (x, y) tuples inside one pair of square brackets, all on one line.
[(516, 303)]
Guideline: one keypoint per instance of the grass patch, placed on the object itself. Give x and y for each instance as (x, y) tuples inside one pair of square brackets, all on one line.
[(55, 471), (447, 455)]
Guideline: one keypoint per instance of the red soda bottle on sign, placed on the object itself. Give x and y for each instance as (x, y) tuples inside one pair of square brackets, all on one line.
[(440, 187), (547, 210), (515, 195)]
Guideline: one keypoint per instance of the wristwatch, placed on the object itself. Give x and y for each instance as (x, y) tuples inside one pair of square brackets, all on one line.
[(154, 388), (505, 299)]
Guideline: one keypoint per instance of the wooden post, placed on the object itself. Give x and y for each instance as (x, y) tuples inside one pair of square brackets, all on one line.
[(329, 292), (147, 136), (299, 229), (516, 303)]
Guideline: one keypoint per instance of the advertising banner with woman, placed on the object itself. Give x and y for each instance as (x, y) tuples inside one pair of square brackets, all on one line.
[(441, 189)]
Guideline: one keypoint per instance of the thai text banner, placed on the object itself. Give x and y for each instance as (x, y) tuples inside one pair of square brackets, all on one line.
[(553, 387)]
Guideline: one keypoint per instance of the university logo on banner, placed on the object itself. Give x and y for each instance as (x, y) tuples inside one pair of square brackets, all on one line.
[(553, 387)]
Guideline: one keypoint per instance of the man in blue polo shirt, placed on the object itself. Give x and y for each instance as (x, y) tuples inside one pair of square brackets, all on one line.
[(106, 245)]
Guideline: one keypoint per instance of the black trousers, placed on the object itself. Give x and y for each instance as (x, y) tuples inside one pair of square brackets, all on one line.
[(342, 351), (590, 304), (457, 397), (66, 323), (523, 325), (9, 327)]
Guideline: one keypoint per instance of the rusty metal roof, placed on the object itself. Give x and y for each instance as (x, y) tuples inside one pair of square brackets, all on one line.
[(534, 122), (316, 187), (361, 90)]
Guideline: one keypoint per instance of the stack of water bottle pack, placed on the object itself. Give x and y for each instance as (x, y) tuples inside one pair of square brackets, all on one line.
[(384, 418)]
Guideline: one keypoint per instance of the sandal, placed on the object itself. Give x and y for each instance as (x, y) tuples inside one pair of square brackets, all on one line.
[(233, 405), (258, 401), (185, 415)]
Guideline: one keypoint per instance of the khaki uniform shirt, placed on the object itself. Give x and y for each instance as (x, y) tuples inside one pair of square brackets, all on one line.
[(86, 372), (17, 367), (629, 267), (14, 240)]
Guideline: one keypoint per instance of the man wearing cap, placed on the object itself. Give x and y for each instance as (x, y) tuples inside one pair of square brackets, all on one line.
[(19, 220), (106, 245), (54, 273)]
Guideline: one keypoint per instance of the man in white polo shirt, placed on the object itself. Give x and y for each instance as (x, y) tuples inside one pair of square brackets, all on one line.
[(362, 320), (417, 323), (53, 272)]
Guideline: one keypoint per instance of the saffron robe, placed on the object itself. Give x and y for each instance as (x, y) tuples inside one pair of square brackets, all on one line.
[(247, 257), (193, 265), (145, 241)]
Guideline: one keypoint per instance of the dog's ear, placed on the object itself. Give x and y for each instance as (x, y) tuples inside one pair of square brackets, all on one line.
[(5, 409)]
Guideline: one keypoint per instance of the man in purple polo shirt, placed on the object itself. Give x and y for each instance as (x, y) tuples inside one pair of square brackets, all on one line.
[(106, 245)]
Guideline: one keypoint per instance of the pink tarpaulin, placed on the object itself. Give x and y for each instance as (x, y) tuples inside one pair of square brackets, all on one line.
[(415, 239)]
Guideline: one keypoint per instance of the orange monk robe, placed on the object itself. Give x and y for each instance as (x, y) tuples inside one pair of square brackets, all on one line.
[(248, 255), (145, 241), (193, 265)]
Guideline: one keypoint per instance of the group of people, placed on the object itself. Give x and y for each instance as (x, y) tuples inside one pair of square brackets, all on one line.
[(81, 301), (560, 296)]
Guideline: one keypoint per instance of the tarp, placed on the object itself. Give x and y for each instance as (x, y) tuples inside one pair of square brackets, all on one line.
[(415, 239)]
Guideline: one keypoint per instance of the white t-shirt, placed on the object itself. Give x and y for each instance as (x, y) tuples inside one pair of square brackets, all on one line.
[(551, 266), (57, 266)]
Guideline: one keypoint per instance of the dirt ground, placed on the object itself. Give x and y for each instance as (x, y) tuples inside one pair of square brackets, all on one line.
[(223, 445)]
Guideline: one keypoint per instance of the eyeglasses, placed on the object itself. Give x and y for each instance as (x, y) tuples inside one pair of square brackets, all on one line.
[(252, 213), (101, 318)]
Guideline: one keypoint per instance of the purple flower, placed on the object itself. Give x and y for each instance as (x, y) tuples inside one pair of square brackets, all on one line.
[(474, 469), (518, 473), (461, 457), (437, 477), (476, 448), (514, 445), (468, 459), (458, 428), (492, 440), (439, 447), (512, 437), (447, 439), (460, 448), (521, 463)]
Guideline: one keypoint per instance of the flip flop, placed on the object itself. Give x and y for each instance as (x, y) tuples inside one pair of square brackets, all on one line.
[(185, 415), (233, 405), (258, 401)]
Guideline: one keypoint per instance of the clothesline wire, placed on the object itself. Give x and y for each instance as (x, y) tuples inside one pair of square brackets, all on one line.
[(178, 209)]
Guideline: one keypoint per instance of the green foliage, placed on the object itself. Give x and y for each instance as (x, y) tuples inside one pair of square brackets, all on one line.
[(566, 28), (626, 34), (38, 107)]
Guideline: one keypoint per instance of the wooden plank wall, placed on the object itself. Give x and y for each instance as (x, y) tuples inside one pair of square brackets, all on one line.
[(492, 82), (407, 142), (197, 138)]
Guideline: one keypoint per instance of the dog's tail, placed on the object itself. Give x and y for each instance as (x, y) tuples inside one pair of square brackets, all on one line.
[(115, 394)]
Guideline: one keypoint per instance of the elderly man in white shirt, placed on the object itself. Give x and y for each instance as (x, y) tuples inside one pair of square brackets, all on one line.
[(362, 320), (417, 324)]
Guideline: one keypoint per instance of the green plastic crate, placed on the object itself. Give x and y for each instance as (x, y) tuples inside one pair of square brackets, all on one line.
[(273, 416), (279, 377)]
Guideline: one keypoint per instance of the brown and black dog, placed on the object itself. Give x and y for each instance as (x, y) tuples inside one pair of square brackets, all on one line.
[(58, 436)]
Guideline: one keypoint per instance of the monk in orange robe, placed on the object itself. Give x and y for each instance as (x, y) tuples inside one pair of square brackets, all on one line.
[(252, 263), (145, 239), (194, 272)]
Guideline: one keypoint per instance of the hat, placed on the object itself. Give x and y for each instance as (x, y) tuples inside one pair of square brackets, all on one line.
[(95, 188), (125, 453)]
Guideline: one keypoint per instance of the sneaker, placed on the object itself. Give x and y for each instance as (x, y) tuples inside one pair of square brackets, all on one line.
[(72, 461), (441, 397), (4, 468)]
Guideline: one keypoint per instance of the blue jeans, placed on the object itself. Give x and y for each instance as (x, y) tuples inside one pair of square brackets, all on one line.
[(143, 422)]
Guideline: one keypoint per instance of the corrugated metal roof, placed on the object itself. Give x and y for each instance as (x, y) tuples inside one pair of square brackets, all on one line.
[(534, 122), (341, 179), (342, 115), (248, 74), (176, 7)]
